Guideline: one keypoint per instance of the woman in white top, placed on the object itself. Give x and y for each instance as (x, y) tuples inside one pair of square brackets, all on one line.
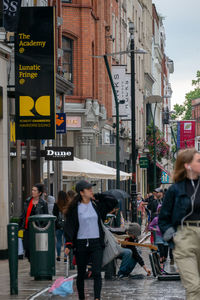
[(84, 233)]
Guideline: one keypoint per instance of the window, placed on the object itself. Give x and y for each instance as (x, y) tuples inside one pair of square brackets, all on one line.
[(67, 1), (148, 114), (67, 45)]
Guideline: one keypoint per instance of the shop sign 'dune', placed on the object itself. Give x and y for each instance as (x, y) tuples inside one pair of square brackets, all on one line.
[(58, 153)]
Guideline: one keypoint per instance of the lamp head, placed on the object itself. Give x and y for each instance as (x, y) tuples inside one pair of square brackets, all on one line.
[(131, 27)]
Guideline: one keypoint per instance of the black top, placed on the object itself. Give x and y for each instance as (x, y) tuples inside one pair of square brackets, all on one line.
[(195, 216), (102, 205), (33, 211), (38, 209), (59, 215), (152, 206), (55, 210), (135, 253)]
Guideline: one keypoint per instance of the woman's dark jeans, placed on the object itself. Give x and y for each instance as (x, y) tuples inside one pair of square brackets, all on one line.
[(59, 241), (89, 250)]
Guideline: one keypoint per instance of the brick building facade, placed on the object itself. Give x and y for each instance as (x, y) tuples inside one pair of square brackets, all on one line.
[(87, 26), (87, 32)]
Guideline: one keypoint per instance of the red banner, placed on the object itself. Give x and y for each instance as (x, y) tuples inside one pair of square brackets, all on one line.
[(187, 134)]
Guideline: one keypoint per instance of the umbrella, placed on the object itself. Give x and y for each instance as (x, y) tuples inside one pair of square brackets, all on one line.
[(120, 195), (86, 168)]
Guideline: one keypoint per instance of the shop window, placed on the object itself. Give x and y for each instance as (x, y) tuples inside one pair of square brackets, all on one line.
[(67, 45), (148, 114)]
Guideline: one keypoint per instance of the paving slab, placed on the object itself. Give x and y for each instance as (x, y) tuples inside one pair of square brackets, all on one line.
[(139, 287)]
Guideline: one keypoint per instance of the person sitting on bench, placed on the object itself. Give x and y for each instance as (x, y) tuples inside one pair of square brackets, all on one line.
[(130, 255)]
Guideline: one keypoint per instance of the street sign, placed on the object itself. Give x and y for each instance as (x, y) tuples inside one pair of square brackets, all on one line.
[(164, 177), (144, 162), (60, 123)]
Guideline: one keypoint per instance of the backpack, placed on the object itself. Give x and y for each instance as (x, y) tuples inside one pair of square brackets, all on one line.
[(60, 221)]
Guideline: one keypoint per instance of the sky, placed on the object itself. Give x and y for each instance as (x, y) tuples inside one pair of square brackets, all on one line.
[(182, 29)]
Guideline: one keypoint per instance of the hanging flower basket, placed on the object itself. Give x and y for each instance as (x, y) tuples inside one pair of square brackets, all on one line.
[(162, 148)]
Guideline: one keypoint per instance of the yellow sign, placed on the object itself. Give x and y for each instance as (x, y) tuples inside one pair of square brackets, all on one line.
[(27, 104), (12, 132)]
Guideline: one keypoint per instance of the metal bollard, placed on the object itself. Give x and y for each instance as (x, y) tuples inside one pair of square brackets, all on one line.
[(12, 231)]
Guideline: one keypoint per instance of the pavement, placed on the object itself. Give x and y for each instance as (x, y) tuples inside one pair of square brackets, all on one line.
[(138, 287)]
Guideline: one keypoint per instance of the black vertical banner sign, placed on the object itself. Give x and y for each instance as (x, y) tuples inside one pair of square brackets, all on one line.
[(35, 74), (11, 9), (1, 13)]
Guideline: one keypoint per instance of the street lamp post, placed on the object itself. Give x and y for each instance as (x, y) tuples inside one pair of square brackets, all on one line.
[(117, 123), (133, 152), (117, 132), (132, 51), (154, 147)]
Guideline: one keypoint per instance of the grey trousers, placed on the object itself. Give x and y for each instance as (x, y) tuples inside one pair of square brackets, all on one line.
[(187, 258)]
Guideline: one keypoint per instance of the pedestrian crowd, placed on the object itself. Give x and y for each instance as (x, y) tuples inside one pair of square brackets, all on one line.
[(172, 216)]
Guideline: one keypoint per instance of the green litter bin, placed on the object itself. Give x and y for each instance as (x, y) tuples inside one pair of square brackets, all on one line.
[(42, 246)]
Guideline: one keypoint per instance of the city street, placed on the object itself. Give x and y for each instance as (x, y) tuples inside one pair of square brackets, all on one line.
[(138, 287), (99, 125)]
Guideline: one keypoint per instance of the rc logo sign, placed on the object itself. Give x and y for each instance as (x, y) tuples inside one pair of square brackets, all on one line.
[(28, 107)]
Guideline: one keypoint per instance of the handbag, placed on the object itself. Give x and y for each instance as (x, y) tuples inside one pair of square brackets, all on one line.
[(112, 249)]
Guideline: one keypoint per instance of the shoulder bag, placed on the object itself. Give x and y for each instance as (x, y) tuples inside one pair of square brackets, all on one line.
[(112, 249)]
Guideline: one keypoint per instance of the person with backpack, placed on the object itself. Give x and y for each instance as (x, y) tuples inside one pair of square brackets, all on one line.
[(59, 211)]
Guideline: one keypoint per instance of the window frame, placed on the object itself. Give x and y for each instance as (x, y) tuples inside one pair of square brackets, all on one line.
[(69, 50)]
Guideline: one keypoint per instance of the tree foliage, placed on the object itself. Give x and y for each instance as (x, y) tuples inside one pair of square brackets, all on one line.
[(184, 111), (179, 111)]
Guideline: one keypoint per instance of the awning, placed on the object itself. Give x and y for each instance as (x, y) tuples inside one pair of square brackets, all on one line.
[(87, 168), (162, 168)]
